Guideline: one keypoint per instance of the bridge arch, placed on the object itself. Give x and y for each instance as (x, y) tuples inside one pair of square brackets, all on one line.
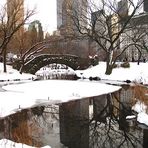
[(40, 61)]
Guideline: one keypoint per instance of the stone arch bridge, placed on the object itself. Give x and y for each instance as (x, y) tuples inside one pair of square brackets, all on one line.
[(75, 62)]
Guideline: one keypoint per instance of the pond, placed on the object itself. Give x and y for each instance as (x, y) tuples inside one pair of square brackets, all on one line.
[(96, 122)]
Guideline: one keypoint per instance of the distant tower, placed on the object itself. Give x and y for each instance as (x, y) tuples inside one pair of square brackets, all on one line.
[(66, 9), (36, 31), (123, 8), (145, 5), (59, 13), (15, 11)]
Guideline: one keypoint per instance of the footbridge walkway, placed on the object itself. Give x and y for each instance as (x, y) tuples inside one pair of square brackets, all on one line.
[(75, 62)]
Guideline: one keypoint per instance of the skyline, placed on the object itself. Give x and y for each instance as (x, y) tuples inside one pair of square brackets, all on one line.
[(45, 12)]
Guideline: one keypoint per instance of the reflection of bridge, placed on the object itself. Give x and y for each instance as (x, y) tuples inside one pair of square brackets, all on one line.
[(40, 61)]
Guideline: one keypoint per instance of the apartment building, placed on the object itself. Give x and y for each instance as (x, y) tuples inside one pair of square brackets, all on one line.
[(66, 11), (136, 33)]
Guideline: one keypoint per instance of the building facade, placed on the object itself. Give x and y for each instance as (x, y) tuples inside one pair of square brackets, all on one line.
[(67, 10), (15, 11), (59, 13), (145, 5), (15, 19), (123, 8), (106, 28), (135, 38)]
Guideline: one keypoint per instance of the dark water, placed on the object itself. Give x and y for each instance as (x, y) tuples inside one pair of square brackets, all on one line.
[(36, 127), (96, 122)]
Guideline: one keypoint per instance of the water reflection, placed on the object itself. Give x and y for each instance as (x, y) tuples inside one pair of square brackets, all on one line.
[(96, 122), (36, 127)]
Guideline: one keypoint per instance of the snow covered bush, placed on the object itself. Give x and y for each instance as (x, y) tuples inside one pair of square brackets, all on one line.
[(125, 65)]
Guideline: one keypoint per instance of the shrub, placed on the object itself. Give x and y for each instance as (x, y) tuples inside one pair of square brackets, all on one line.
[(115, 66), (125, 65), (140, 94)]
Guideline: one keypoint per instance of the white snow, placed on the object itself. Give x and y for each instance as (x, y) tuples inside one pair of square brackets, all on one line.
[(56, 91), (5, 143), (13, 76), (130, 117), (49, 92), (136, 73), (139, 107), (142, 116)]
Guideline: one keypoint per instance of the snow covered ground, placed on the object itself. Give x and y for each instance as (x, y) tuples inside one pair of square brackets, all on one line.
[(13, 76), (48, 92), (34, 93), (40, 92), (5, 143), (141, 108), (136, 73)]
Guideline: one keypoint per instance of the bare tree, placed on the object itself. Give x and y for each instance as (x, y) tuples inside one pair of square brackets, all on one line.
[(28, 54), (27, 44), (136, 35), (104, 24), (12, 21), (28, 47)]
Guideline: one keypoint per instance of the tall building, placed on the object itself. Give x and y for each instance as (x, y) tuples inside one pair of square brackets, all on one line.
[(106, 28), (15, 11), (66, 11), (145, 5), (95, 20), (15, 17), (36, 31), (59, 13), (136, 32), (123, 8)]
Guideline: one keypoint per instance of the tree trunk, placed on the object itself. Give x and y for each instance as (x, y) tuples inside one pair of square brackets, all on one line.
[(109, 65), (21, 69), (139, 57), (109, 69), (145, 138), (4, 61), (22, 63)]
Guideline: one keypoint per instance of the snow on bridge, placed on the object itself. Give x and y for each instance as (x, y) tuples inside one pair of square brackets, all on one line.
[(75, 62)]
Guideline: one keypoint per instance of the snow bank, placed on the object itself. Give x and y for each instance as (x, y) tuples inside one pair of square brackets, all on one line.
[(142, 116), (139, 107), (13, 76), (138, 73), (5, 143)]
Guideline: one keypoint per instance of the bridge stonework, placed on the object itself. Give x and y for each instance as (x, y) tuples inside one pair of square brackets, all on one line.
[(75, 62)]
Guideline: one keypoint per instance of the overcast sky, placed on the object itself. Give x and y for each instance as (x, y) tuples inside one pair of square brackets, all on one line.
[(46, 13)]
